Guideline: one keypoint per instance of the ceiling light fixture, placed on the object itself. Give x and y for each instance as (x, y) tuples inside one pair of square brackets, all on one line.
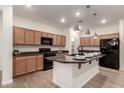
[(63, 20), (103, 21), (77, 28), (95, 34), (77, 13), (88, 30), (28, 5)]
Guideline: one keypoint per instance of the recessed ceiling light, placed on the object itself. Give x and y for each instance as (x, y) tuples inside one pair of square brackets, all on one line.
[(63, 20), (28, 5), (103, 21), (77, 13)]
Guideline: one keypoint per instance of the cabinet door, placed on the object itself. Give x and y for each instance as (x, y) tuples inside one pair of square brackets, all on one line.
[(115, 35), (54, 39), (97, 41), (19, 66), (87, 41), (44, 34), (49, 35), (82, 41), (29, 37), (37, 36), (63, 40), (39, 62), (18, 35), (31, 64), (92, 41), (58, 39)]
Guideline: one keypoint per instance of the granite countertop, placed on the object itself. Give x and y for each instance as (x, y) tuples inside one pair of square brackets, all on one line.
[(70, 59), (27, 54), (35, 53)]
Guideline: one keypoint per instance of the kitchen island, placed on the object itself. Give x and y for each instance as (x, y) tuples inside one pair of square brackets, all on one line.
[(72, 73)]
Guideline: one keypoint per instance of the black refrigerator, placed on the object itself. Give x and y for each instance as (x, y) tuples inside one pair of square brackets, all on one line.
[(109, 47)]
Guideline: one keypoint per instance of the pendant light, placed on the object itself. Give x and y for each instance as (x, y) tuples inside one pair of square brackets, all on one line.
[(95, 34), (76, 28), (88, 30)]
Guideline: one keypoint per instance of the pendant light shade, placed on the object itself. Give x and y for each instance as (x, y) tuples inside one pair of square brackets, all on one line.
[(76, 28), (95, 35), (87, 32)]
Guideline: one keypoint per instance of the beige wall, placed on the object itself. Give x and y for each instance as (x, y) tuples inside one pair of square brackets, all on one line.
[(0, 36), (104, 30)]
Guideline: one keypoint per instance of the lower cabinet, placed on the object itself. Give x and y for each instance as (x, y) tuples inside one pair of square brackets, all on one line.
[(27, 64), (39, 64), (31, 64), (19, 66)]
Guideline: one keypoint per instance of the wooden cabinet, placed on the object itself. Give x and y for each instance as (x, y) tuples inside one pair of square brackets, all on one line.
[(63, 40), (49, 35), (39, 62), (27, 64), (44, 34), (82, 41), (54, 39), (18, 35), (19, 66), (37, 37), (97, 41), (31, 63), (87, 41), (92, 41), (58, 39), (29, 36)]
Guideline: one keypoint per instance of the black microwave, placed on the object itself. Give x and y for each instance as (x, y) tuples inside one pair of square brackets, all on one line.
[(46, 41)]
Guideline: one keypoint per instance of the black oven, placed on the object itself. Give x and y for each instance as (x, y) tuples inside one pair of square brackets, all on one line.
[(46, 41)]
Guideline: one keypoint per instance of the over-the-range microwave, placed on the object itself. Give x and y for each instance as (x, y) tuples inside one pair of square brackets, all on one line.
[(46, 41)]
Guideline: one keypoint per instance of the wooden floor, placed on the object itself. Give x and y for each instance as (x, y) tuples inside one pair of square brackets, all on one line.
[(106, 78)]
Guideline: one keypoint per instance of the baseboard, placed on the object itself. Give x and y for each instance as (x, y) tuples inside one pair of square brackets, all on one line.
[(121, 68), (6, 82)]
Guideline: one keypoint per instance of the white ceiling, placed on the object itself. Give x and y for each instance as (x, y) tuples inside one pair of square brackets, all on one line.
[(51, 14)]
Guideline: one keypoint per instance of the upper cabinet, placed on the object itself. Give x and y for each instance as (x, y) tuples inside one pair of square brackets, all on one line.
[(82, 41), (49, 35), (44, 34), (32, 37), (90, 41), (29, 36), (97, 41), (63, 40), (54, 39), (87, 41), (37, 37), (59, 40), (18, 35)]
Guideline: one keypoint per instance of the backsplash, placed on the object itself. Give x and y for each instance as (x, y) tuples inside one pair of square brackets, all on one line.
[(27, 48), (91, 48)]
